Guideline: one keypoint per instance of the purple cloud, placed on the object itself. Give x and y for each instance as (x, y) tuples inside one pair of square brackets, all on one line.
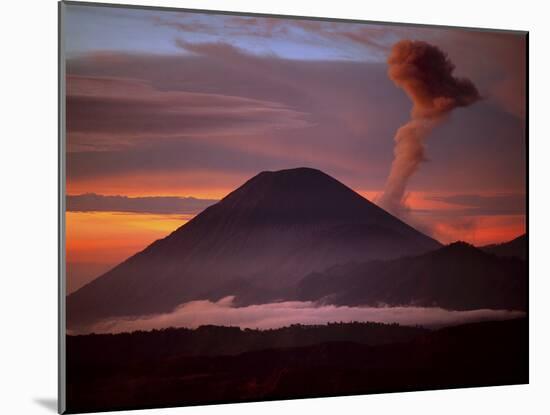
[(91, 202)]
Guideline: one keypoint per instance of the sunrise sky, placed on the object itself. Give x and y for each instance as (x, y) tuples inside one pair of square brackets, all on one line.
[(168, 112)]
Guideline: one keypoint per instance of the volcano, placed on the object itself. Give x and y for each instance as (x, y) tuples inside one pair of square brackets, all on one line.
[(255, 244)]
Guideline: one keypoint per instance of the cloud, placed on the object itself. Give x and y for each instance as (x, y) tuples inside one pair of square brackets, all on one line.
[(105, 113), (475, 204), (340, 38), (191, 157), (495, 61), (273, 315), (350, 108), (91, 202), (230, 25), (338, 111)]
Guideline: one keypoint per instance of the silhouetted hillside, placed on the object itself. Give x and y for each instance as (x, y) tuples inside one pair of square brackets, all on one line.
[(254, 244), (220, 340), (457, 277), (480, 354), (516, 247)]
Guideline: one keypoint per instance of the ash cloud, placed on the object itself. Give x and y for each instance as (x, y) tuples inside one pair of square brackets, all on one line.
[(425, 73), (274, 315)]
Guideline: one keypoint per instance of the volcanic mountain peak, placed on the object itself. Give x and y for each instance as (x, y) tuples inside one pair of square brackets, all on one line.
[(306, 179), (296, 195), (254, 244), (300, 197), (297, 173)]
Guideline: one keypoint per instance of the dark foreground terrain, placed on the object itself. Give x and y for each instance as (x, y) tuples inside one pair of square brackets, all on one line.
[(215, 365)]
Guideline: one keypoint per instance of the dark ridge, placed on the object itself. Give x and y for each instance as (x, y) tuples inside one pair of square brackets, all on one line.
[(116, 378), (515, 248), (222, 340), (460, 245), (458, 276)]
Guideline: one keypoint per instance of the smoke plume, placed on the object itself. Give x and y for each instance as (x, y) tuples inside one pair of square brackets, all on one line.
[(425, 73)]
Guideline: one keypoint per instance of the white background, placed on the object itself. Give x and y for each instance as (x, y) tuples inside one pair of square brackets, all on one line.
[(28, 195)]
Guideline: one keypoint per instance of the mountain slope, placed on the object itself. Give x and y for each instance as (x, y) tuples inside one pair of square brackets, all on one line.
[(255, 244), (457, 277), (515, 248)]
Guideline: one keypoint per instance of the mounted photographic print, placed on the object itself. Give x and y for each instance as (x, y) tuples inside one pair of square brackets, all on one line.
[(258, 207)]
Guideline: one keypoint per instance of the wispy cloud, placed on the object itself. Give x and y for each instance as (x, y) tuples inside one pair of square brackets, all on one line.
[(106, 113), (476, 204), (338, 40), (91, 202), (215, 110)]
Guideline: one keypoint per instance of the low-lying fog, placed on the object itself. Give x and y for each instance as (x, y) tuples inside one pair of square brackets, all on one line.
[(280, 314)]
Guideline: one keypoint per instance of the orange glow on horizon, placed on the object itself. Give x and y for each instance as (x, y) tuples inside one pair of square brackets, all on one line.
[(414, 200), (202, 185), (111, 237), (421, 200), (480, 230), (123, 190)]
